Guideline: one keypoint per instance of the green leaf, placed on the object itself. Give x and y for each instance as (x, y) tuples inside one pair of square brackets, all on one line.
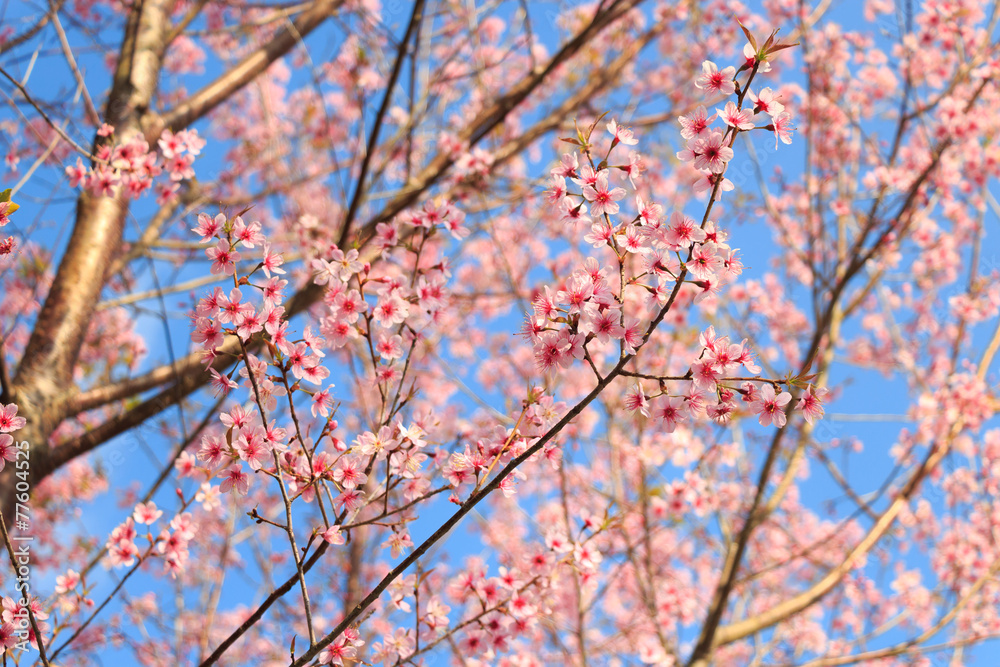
[(5, 197)]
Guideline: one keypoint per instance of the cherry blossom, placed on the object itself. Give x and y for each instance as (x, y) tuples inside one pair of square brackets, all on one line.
[(714, 80), (433, 273), (602, 198), (769, 407)]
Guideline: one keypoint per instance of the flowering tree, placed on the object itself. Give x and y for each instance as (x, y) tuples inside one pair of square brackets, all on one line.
[(302, 240)]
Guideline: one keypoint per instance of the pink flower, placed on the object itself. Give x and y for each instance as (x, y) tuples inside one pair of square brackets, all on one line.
[(603, 200), (314, 342), (322, 401), (252, 449), (248, 323), (179, 167), (234, 479), (705, 374), (237, 418), (212, 451), (649, 213), (599, 235), (696, 124), (811, 405), (326, 272), (121, 547), (273, 292), (397, 543), (221, 383), (604, 325), (8, 451), (682, 232), (622, 135), (766, 102), (782, 128), (631, 239), (346, 263), (247, 234), (334, 536), (390, 310), (634, 167), (670, 412), (350, 472), (337, 332), (573, 212), (746, 358), (77, 174), (751, 59), (389, 347), (67, 582), (165, 192), (551, 350), (711, 153), (146, 513), (706, 182), (348, 306), (568, 166), (9, 421), (721, 412), (704, 263), (192, 142), (170, 144), (208, 333), (634, 332), (714, 81), (223, 257), (636, 401), (271, 261), (557, 191), (769, 407), (301, 359), (231, 306), (741, 119), (7, 637), (274, 437)]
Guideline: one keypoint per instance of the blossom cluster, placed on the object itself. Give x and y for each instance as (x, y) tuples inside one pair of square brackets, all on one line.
[(475, 462), (386, 312), (11, 617), (171, 543), (130, 167), (589, 307), (656, 257)]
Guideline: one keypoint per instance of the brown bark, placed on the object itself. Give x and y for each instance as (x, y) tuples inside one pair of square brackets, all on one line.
[(44, 379)]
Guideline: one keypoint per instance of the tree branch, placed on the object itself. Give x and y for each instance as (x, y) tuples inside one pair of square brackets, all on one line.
[(220, 90)]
